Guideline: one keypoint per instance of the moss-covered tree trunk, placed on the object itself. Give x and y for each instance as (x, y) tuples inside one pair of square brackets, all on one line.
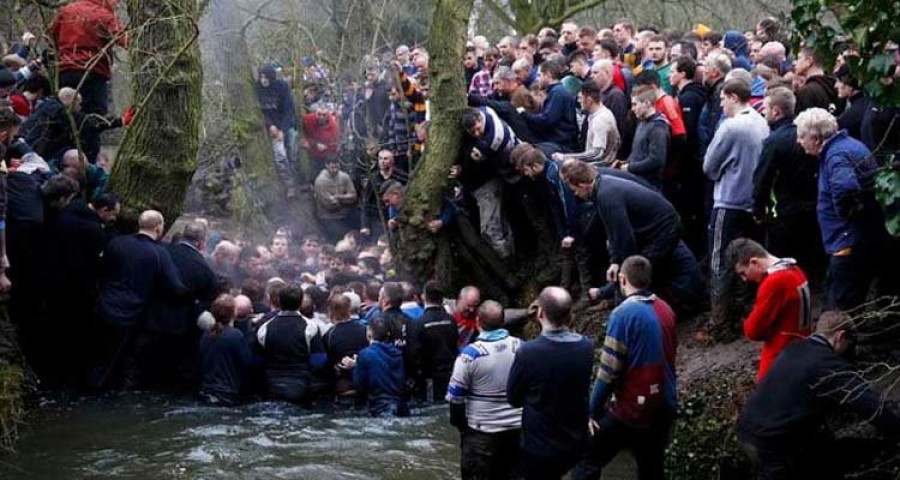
[(158, 154), (447, 45)]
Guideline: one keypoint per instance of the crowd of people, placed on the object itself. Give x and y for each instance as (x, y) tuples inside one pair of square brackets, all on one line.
[(647, 160)]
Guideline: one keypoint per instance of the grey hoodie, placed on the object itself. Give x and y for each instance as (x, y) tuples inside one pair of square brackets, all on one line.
[(732, 157)]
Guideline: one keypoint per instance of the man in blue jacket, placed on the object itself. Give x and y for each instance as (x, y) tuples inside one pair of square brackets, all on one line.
[(850, 218), (277, 103), (556, 122), (378, 373)]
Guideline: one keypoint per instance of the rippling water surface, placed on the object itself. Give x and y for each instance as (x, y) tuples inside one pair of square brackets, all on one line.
[(152, 436)]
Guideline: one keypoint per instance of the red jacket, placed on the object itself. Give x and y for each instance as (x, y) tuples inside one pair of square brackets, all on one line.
[(328, 135), (81, 30), (781, 313), (668, 107)]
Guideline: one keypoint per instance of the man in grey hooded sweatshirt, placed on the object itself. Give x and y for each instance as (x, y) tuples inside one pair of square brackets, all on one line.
[(730, 162)]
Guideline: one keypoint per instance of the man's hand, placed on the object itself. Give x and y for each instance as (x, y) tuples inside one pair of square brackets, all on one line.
[(454, 172), (623, 166), (27, 37), (273, 131), (365, 232), (557, 156), (593, 293), (593, 427), (321, 147), (567, 242), (612, 273), (476, 154), (435, 226), (392, 224)]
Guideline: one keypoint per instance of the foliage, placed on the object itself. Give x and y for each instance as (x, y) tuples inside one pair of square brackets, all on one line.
[(887, 188), (704, 444), (529, 16), (867, 26)]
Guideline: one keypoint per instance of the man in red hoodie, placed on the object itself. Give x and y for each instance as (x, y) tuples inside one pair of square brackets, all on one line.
[(322, 135), (781, 313), (85, 32)]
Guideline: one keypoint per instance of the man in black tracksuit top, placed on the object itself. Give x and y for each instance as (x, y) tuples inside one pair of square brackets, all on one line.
[(781, 424), (785, 169), (345, 339), (398, 323), (436, 338), (288, 356)]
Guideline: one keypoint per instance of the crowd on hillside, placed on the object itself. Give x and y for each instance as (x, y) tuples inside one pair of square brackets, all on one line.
[(674, 172)]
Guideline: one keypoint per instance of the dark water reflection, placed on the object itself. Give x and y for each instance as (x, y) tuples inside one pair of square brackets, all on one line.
[(152, 436)]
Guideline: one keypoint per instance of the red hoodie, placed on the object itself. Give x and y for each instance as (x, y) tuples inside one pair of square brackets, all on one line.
[(81, 30), (781, 313), (328, 135)]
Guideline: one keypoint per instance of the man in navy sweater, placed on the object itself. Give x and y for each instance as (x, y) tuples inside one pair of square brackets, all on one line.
[(550, 378), (556, 122), (378, 373)]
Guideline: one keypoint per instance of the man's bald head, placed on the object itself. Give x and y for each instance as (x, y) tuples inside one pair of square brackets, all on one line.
[(151, 222), (555, 305), (67, 96), (243, 306), (490, 316)]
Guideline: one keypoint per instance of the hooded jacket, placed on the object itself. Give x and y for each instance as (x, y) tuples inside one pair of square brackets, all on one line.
[(81, 30), (737, 43), (650, 149), (379, 375), (276, 100), (691, 98)]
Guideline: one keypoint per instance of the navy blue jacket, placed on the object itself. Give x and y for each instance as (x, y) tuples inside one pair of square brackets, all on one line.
[(556, 122), (177, 315), (276, 102), (224, 361), (847, 210), (75, 262), (136, 272), (379, 375), (691, 98), (550, 378), (346, 339)]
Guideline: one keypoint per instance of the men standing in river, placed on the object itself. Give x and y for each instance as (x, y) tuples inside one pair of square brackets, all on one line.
[(488, 425)]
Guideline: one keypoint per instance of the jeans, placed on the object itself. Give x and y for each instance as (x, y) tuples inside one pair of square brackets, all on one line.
[(850, 277), (648, 446), (494, 226), (489, 456)]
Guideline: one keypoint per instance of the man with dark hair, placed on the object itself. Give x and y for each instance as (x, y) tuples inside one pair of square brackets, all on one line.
[(782, 425), (532, 163), (730, 162), (556, 121), (378, 372), (782, 311), (690, 181), (390, 298), (858, 104), (288, 355), (639, 220), (651, 139), (550, 378), (435, 343), (587, 38), (638, 368), (818, 88), (601, 135), (656, 61), (335, 197), (785, 188), (489, 427)]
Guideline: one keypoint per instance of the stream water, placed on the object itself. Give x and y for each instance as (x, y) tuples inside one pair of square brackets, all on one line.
[(152, 436)]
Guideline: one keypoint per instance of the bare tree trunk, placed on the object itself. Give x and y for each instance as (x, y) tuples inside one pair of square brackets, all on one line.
[(158, 154), (418, 248)]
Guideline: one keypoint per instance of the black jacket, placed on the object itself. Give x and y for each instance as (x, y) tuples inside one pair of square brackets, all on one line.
[(73, 259), (637, 219), (49, 131), (650, 149), (785, 167), (399, 325), (137, 271), (692, 98), (346, 339), (436, 339), (177, 315), (803, 385), (508, 114), (852, 118), (818, 92)]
